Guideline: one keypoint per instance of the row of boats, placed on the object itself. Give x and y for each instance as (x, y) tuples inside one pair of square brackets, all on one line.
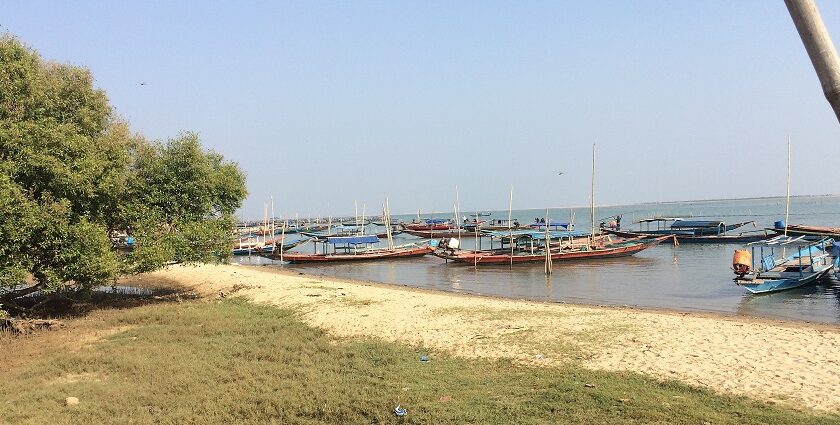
[(778, 258)]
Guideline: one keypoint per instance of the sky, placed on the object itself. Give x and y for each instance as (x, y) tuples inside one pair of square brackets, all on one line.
[(327, 104)]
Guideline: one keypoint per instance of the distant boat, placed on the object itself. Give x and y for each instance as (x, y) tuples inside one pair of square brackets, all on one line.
[(807, 263), (356, 248), (693, 231), (431, 224)]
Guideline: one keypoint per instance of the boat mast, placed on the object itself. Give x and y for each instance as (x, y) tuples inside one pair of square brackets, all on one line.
[(272, 216), (457, 216), (592, 197), (787, 197), (265, 223)]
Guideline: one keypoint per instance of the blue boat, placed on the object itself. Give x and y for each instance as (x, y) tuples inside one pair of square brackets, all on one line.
[(807, 263)]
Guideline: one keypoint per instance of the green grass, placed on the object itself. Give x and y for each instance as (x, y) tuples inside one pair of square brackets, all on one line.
[(233, 362)]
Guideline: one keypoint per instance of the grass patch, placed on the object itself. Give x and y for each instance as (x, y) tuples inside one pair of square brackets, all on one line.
[(234, 362)]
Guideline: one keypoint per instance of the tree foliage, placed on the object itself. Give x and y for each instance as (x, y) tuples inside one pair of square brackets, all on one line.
[(73, 176)]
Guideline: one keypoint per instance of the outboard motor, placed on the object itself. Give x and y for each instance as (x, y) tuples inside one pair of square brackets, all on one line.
[(741, 262)]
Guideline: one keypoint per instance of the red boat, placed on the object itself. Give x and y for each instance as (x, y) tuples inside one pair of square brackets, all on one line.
[(361, 255)]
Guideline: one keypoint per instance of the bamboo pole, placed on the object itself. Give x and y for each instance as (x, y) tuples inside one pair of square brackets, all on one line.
[(806, 17), (387, 220), (283, 239), (547, 249), (476, 246)]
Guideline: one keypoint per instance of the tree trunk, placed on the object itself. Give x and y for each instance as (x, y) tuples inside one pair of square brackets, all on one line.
[(820, 49), (11, 296)]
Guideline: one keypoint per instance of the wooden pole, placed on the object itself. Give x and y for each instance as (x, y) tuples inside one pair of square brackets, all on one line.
[(806, 17), (477, 241), (547, 250), (387, 220), (510, 229), (283, 239)]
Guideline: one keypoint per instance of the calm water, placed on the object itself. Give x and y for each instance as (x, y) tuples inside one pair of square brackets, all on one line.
[(693, 277)]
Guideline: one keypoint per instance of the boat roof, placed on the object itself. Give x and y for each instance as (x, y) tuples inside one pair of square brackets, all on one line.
[(551, 224), (533, 234), (655, 219), (783, 240), (354, 240), (682, 224)]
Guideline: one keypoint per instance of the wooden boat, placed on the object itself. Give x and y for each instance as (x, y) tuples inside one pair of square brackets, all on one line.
[(246, 247), (497, 224), (322, 236), (272, 247), (692, 231), (431, 224), (807, 263), (446, 233), (601, 249), (356, 248), (810, 232)]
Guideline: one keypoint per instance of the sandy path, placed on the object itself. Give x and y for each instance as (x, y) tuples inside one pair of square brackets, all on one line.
[(797, 364)]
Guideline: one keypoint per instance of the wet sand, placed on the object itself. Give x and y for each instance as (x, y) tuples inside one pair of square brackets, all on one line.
[(792, 363)]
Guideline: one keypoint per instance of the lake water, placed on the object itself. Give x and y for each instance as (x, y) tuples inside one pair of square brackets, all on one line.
[(691, 277)]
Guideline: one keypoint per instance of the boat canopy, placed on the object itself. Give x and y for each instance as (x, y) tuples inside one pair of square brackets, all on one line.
[(684, 224), (353, 240), (655, 219), (551, 224), (533, 234)]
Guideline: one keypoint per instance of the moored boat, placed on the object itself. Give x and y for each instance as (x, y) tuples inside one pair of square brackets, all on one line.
[(356, 248), (691, 231), (807, 263), (601, 248)]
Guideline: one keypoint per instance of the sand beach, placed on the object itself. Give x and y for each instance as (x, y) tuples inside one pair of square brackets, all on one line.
[(791, 363)]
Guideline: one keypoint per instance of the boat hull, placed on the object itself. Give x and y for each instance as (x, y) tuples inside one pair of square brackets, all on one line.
[(362, 256), (779, 285)]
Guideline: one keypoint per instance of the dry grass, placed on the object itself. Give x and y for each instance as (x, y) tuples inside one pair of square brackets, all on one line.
[(234, 362)]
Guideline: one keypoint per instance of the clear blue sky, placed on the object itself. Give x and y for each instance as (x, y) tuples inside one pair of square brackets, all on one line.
[(324, 103)]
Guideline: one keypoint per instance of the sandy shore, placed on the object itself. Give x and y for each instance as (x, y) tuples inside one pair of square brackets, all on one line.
[(796, 364)]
